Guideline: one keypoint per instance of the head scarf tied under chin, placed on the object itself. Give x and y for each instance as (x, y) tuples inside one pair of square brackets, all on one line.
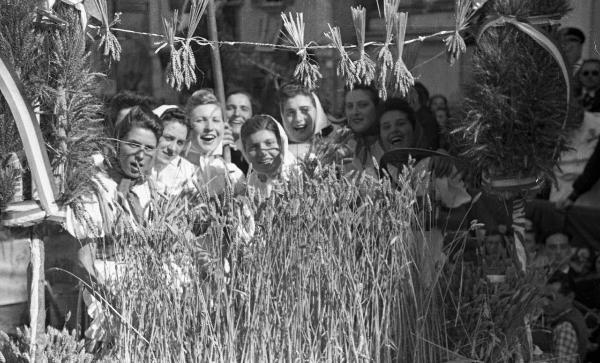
[(321, 121), (287, 159)]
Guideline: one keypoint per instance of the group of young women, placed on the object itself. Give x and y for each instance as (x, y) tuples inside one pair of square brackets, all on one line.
[(170, 150)]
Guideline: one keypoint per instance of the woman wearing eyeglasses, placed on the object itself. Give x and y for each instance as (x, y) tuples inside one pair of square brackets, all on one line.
[(120, 203)]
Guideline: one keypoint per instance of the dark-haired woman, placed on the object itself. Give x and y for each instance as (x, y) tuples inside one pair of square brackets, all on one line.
[(265, 147), (360, 106), (121, 203), (172, 173), (397, 130)]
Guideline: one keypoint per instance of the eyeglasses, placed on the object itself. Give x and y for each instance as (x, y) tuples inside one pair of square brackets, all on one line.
[(136, 147), (593, 73)]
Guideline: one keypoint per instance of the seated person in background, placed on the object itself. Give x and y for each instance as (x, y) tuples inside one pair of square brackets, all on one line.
[(302, 117), (172, 173), (238, 108), (429, 132), (495, 255), (585, 181), (570, 334), (205, 149), (556, 254), (588, 80), (265, 146)]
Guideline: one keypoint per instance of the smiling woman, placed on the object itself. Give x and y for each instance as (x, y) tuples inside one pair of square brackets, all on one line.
[(302, 117), (206, 145), (172, 173)]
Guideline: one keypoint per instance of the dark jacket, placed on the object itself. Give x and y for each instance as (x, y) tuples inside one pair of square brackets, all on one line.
[(589, 177)]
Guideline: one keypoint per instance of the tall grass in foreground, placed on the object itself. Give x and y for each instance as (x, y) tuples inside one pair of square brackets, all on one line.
[(335, 272)]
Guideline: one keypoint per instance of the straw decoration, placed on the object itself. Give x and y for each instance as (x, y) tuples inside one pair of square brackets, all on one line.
[(463, 12), (306, 71), (108, 41), (173, 71), (188, 61), (345, 67), (365, 67), (386, 61), (403, 78)]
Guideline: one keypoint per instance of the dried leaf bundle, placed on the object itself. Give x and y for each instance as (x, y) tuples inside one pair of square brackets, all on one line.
[(188, 61), (386, 60), (306, 71), (345, 67), (173, 71), (365, 66), (403, 78), (112, 47)]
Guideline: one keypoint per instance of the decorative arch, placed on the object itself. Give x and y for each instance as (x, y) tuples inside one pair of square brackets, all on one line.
[(31, 136)]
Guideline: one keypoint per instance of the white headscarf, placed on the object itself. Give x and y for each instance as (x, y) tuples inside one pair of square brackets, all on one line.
[(300, 148), (265, 183)]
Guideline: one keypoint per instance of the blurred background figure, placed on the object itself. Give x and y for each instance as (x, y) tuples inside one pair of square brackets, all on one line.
[(428, 130), (571, 40), (239, 107), (588, 85)]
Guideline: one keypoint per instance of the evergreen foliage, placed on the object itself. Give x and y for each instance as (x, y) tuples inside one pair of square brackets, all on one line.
[(53, 65)]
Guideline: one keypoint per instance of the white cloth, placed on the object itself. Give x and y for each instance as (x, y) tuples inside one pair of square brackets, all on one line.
[(175, 177), (214, 173), (103, 212), (573, 161), (301, 149)]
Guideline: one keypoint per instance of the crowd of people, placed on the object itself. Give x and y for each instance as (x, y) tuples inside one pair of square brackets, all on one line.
[(205, 146)]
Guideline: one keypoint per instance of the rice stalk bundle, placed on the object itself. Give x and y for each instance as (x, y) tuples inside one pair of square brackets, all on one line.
[(306, 71), (345, 68), (365, 66), (112, 47), (403, 79), (386, 61)]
